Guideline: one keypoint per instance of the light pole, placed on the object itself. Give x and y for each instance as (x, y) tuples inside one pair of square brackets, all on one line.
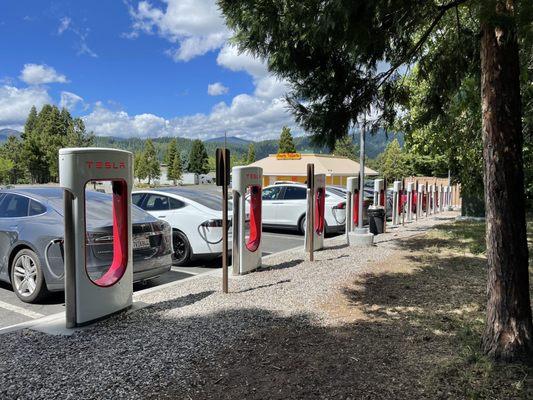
[(362, 134)]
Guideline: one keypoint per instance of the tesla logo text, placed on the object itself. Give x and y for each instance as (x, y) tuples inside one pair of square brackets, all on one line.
[(106, 165)]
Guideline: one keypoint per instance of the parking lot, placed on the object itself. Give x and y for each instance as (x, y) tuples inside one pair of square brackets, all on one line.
[(14, 311)]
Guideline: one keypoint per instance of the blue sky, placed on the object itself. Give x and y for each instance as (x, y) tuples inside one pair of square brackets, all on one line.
[(135, 68)]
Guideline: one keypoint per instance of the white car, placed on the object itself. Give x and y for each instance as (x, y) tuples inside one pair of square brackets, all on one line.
[(284, 206), (194, 215)]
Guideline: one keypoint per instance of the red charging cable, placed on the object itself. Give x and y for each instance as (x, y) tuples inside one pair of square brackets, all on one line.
[(255, 219), (320, 205)]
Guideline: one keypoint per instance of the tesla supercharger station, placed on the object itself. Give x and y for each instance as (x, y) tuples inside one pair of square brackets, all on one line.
[(352, 204), (379, 192), (410, 191), (441, 197), (247, 188), (318, 209), (396, 194), (90, 296), (434, 198), (430, 200), (420, 200)]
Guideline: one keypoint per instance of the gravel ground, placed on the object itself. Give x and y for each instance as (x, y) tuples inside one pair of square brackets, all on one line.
[(160, 351)]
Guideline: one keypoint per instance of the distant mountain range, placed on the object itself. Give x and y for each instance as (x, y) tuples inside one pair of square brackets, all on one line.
[(375, 144), (5, 133), (229, 140)]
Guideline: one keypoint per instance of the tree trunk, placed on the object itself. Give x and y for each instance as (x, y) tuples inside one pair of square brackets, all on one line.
[(509, 331)]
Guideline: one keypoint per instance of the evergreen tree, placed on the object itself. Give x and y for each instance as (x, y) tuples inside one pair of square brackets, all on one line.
[(31, 121), (286, 144), (393, 162), (198, 159), (175, 169), (170, 154), (344, 147), (139, 166), (44, 134), (251, 154), (12, 150), (6, 166), (150, 161)]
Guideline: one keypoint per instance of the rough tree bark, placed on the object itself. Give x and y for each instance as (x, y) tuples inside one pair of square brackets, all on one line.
[(509, 332)]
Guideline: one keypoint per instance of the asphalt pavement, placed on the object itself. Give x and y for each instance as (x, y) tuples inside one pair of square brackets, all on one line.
[(14, 311)]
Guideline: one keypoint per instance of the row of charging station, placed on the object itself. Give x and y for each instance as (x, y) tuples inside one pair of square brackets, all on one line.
[(408, 201), (89, 298)]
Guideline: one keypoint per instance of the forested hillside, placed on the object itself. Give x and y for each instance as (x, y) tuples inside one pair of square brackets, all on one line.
[(375, 144)]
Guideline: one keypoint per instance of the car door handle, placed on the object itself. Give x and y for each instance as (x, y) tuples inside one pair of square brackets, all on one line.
[(277, 202), (162, 216)]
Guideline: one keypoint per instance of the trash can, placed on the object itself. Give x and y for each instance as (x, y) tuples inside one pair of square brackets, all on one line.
[(376, 219)]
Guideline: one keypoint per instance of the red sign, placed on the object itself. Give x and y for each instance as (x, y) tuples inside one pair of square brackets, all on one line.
[(105, 165)]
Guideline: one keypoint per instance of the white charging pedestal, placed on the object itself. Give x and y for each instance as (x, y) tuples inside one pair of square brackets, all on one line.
[(396, 193), (247, 192), (430, 200), (434, 199), (356, 236), (420, 200), (318, 209), (410, 191), (441, 197), (92, 295), (379, 187)]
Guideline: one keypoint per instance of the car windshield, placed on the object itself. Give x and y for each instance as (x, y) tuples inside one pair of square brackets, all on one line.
[(206, 199), (336, 191), (99, 209)]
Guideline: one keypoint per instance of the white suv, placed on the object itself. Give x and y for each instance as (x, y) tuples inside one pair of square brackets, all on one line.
[(284, 206)]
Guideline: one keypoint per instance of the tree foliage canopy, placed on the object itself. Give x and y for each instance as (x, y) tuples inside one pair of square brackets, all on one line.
[(44, 134), (198, 158), (286, 144), (344, 147)]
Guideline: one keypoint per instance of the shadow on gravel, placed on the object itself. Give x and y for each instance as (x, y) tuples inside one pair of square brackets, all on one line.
[(284, 265), (181, 301), (264, 286)]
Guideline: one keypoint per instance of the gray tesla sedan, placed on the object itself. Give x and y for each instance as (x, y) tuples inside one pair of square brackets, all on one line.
[(31, 233)]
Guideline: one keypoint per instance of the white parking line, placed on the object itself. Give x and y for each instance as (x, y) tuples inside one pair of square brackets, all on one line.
[(184, 270), (20, 310)]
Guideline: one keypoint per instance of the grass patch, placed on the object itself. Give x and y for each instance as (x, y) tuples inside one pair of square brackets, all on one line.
[(469, 373)]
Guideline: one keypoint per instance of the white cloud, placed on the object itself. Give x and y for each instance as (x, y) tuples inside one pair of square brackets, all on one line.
[(15, 104), (216, 89), (266, 85), (64, 24), (230, 58), (247, 116), (197, 26), (69, 100), (38, 74)]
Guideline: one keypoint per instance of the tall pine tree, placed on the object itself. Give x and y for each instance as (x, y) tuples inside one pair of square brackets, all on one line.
[(198, 158), (286, 144)]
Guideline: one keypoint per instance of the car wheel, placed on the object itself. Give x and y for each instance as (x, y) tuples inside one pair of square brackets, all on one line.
[(302, 227), (182, 248), (27, 277)]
